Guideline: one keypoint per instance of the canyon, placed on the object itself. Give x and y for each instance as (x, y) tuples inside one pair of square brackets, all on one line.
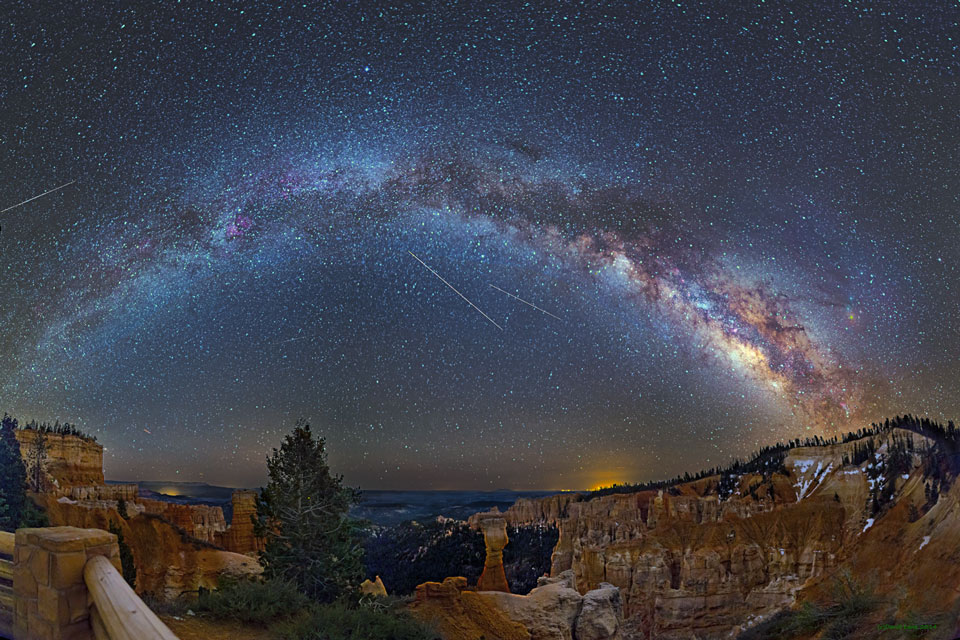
[(177, 548), (704, 558), (690, 565)]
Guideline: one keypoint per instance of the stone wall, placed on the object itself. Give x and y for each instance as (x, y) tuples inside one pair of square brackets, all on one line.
[(50, 597)]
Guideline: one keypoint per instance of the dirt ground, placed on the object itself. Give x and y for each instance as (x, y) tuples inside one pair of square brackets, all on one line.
[(200, 628)]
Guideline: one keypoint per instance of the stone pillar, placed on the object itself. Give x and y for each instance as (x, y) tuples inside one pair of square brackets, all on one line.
[(495, 538), (50, 596), (239, 537)]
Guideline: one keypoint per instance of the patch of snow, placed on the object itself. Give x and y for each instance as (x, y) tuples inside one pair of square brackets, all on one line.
[(852, 473), (66, 500), (807, 485), (782, 551), (926, 539), (870, 466), (868, 525), (905, 476)]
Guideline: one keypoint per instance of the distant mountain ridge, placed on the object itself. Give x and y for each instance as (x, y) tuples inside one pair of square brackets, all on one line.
[(381, 507)]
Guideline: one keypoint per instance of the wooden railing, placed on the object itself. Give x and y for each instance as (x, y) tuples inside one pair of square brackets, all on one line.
[(117, 612), (6, 583), (56, 564)]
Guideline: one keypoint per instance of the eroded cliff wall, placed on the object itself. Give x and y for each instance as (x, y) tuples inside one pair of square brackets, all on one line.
[(690, 565), (71, 461), (175, 546), (168, 563)]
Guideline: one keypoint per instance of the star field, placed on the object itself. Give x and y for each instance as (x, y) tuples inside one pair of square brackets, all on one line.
[(745, 220)]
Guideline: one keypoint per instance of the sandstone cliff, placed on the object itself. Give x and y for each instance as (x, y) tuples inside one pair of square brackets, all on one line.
[(168, 562), (690, 565), (71, 460), (175, 546), (239, 537), (203, 522)]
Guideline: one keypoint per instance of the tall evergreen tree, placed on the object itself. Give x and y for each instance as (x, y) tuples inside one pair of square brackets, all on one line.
[(37, 461), (302, 513), (13, 476), (128, 568)]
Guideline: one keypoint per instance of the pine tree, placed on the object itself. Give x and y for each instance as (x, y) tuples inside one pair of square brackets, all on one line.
[(128, 567), (302, 513), (37, 461), (13, 476)]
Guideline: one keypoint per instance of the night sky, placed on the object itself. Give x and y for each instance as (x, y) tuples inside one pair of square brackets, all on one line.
[(740, 225)]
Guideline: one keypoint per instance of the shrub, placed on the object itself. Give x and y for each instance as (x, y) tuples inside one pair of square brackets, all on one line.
[(33, 516), (127, 564), (252, 601), (341, 621), (834, 620), (411, 553)]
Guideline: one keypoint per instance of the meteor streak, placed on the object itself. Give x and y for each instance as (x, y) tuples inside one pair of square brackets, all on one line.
[(455, 290), (526, 303), (39, 196)]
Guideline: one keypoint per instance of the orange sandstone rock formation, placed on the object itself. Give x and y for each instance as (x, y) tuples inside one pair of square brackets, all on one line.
[(554, 610), (71, 460), (203, 522), (374, 588), (168, 563), (240, 537), (690, 565), (173, 544), (495, 538), (458, 614)]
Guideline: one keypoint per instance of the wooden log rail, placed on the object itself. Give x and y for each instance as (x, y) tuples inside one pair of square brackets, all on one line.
[(117, 612), (67, 584), (7, 543)]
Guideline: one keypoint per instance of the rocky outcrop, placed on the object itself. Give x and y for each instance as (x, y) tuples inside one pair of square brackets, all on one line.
[(127, 492), (373, 588), (71, 460), (240, 537), (554, 610), (203, 522), (495, 538), (601, 614), (548, 612), (174, 545), (168, 563), (688, 564), (550, 509), (458, 614)]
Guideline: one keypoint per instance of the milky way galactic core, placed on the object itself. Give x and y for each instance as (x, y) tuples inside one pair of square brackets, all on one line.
[(477, 246)]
